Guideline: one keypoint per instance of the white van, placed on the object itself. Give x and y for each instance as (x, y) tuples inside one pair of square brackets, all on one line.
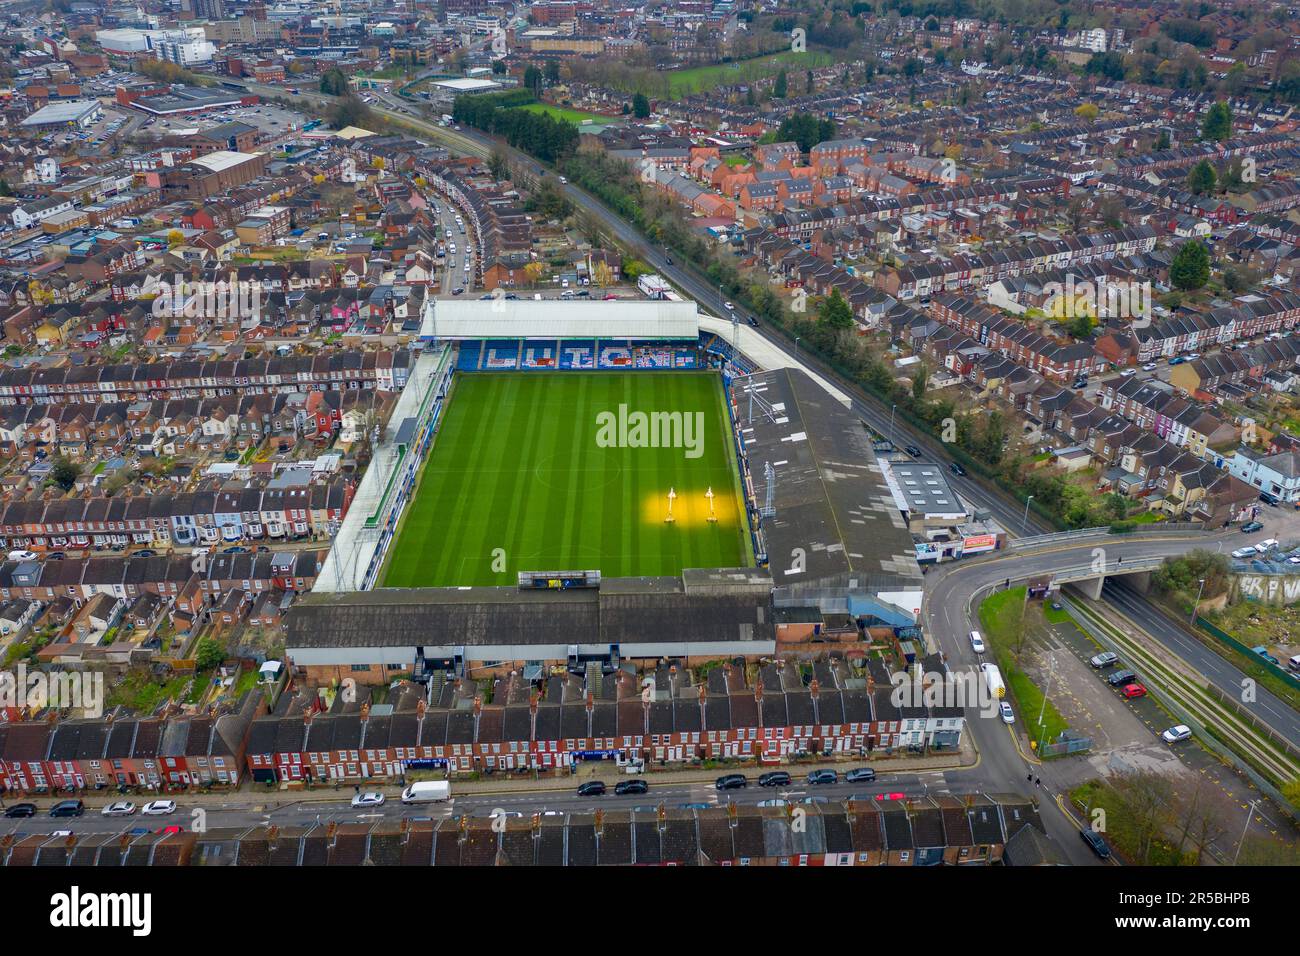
[(1294, 663), (427, 791), (22, 555)]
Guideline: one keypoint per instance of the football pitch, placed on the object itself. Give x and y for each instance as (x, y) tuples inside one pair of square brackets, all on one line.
[(545, 471)]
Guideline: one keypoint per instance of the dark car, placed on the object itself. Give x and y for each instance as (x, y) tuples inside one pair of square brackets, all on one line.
[(1120, 678), (823, 776), (957, 469), (732, 781), (55, 556), (68, 808), (860, 775), (1094, 840), (1269, 499), (235, 550), (21, 810), (144, 553), (774, 778), (1251, 527), (592, 788), (630, 786), (752, 321), (913, 451)]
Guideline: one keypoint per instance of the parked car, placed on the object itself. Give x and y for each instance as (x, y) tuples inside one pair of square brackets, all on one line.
[(123, 808), (159, 808), (1120, 678), (172, 828), (630, 786), (860, 775), (1007, 714), (368, 798), (20, 810), (1267, 545), (1250, 527), (1104, 659), (1094, 840), (774, 778), (1176, 733), (1246, 552), (1131, 691), (68, 808), (592, 788), (823, 776), (731, 781)]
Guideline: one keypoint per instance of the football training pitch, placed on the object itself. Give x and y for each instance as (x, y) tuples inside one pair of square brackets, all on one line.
[(545, 471)]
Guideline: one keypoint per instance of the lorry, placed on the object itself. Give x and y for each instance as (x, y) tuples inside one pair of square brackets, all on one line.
[(427, 791), (993, 678)]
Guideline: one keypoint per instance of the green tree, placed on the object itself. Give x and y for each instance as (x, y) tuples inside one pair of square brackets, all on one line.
[(64, 472), (920, 381), (1217, 123), (533, 79), (334, 82), (1202, 178), (834, 311), (1190, 268), (552, 72), (5, 188), (208, 654), (781, 86), (1162, 141), (499, 165), (349, 111), (640, 106)]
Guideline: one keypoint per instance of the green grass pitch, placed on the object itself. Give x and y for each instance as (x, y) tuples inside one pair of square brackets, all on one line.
[(522, 478)]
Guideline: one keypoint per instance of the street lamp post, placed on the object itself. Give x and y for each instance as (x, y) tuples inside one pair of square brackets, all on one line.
[(1024, 524), (796, 348), (1199, 591), (1250, 812)]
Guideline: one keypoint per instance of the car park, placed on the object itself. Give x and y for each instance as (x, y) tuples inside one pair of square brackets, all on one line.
[(860, 775), (630, 786), (1104, 659), (731, 781), (1176, 733), (1133, 690), (774, 778), (1120, 678), (592, 788), (823, 776)]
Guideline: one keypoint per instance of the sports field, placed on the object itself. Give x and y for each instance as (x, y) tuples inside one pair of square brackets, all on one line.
[(546, 471)]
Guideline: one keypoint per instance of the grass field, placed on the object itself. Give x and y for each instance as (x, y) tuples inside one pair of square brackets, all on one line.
[(575, 117), (700, 79), (517, 466)]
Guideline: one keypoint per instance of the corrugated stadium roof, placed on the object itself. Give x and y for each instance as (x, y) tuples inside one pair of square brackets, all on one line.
[(551, 318)]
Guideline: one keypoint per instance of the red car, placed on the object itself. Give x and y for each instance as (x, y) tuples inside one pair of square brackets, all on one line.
[(1133, 690), (172, 829)]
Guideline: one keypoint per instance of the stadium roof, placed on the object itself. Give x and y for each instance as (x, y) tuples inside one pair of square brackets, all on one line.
[(832, 502), (555, 318), (467, 85)]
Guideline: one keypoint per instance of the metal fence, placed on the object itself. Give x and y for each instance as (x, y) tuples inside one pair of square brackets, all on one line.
[(1225, 638), (1068, 745)]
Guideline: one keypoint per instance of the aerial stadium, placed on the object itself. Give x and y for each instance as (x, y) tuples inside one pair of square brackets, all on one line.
[(595, 482)]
